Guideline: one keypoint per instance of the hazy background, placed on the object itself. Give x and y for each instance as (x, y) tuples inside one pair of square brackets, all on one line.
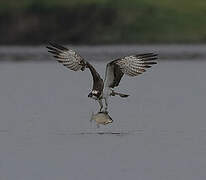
[(102, 21), (45, 133)]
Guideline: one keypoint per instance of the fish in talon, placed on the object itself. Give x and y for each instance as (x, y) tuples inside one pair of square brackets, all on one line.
[(102, 118)]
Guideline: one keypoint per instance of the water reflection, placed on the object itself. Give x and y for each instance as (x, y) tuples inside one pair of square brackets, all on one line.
[(98, 132)]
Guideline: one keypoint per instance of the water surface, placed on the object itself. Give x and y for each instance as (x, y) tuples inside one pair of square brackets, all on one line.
[(158, 133)]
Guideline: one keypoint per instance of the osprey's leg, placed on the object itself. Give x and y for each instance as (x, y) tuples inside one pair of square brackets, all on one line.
[(106, 103), (101, 104)]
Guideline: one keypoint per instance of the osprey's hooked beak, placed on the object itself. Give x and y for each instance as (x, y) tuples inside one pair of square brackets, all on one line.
[(90, 95)]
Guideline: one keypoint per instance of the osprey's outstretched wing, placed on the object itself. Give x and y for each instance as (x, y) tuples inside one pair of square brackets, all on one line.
[(75, 62), (67, 57), (130, 65)]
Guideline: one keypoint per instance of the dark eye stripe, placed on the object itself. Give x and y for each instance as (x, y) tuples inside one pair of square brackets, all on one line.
[(97, 94)]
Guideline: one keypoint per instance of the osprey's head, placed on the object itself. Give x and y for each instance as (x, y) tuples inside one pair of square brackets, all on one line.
[(94, 94)]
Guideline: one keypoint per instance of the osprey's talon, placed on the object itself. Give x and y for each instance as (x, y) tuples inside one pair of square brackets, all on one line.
[(100, 110), (105, 111)]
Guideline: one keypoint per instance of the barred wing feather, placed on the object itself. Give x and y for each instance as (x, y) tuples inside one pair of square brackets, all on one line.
[(67, 57), (133, 65), (73, 61)]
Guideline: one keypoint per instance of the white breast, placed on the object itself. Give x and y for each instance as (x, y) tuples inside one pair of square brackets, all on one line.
[(106, 92)]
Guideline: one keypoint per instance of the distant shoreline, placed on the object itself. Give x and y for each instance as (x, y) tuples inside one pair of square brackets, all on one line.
[(104, 52), (102, 22)]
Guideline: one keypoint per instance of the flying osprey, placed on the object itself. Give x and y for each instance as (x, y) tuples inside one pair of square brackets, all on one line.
[(133, 65)]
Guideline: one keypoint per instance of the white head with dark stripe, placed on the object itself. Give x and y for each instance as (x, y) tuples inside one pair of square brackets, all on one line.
[(95, 94)]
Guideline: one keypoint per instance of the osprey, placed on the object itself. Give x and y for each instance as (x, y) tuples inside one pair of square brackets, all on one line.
[(133, 65)]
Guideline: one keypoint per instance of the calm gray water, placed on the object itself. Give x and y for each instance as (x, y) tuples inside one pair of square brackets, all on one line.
[(45, 133)]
